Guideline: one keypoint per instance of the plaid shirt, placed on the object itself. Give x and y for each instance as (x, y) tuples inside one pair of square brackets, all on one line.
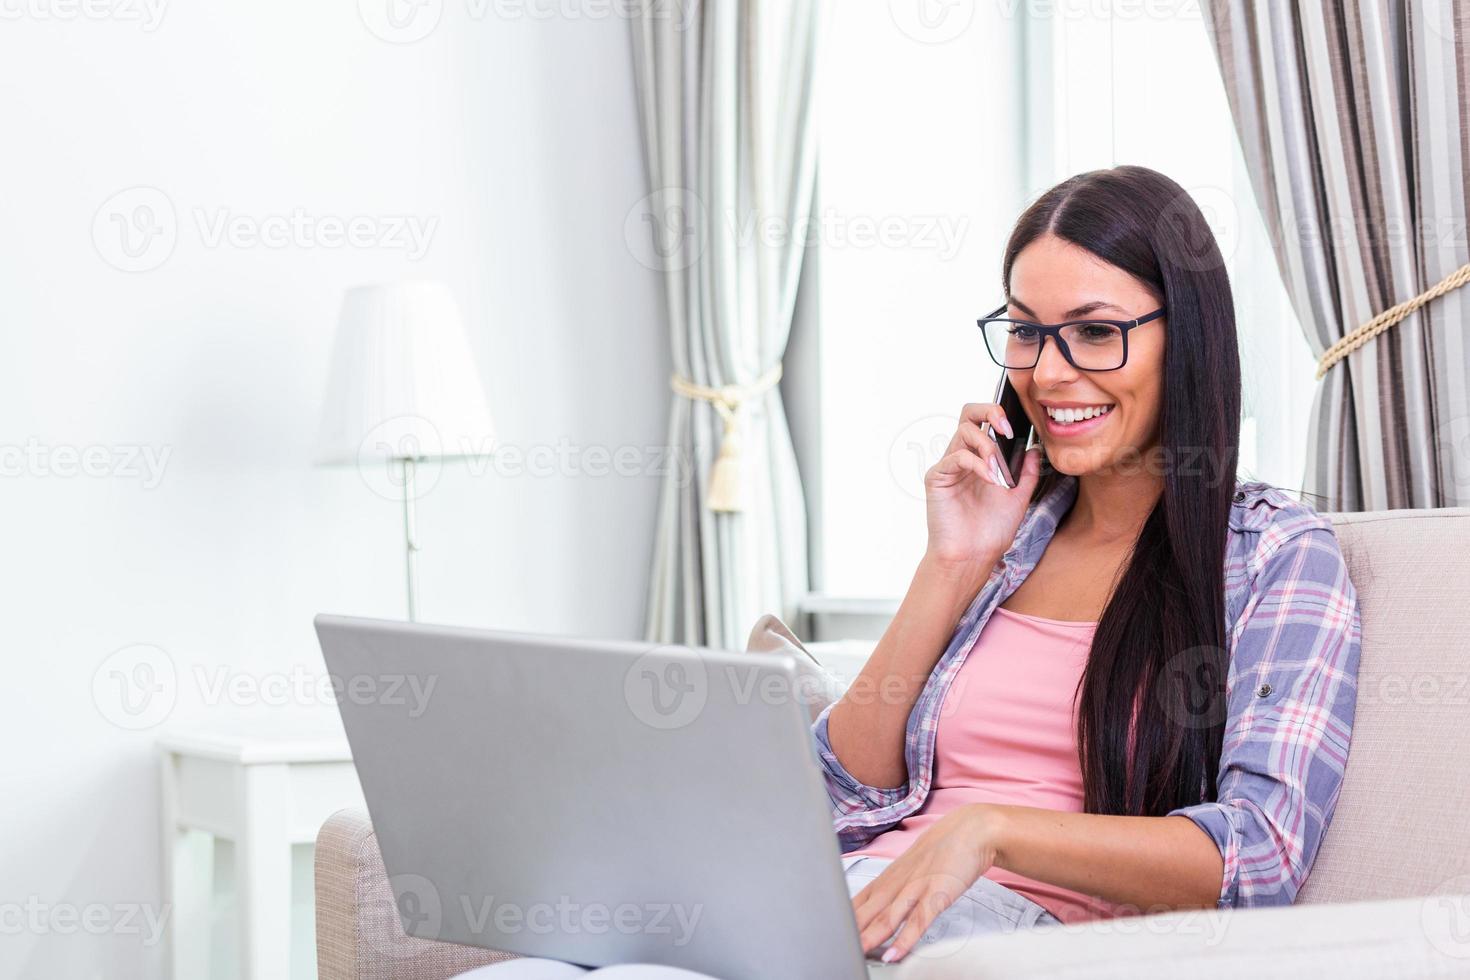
[(1294, 630)]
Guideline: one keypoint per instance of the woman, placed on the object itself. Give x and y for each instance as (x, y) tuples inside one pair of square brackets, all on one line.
[(1126, 683)]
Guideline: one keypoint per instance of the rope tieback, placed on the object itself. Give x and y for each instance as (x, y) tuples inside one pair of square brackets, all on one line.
[(726, 489), (1388, 318)]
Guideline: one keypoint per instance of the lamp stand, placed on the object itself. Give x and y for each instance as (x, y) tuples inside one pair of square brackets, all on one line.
[(410, 536)]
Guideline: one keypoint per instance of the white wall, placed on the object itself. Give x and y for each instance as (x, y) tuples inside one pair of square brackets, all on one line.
[(518, 136), (920, 179)]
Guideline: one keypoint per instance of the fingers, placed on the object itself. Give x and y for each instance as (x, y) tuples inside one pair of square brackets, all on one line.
[(1030, 471), (871, 900), (925, 910), (977, 414), (911, 911), (883, 918), (952, 468), (875, 898), (981, 412), (970, 435), (986, 446)]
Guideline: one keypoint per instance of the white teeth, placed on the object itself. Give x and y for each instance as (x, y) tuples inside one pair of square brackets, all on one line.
[(1069, 415)]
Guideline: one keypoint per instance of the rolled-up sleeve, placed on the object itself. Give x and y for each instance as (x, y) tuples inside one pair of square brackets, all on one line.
[(1291, 694), (849, 795)]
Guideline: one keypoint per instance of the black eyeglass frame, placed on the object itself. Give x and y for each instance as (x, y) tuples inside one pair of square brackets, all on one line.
[(1054, 331)]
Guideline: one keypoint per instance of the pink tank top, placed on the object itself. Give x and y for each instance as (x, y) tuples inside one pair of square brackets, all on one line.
[(1008, 734)]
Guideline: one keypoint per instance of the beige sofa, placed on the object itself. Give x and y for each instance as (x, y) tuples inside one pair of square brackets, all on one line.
[(1389, 894)]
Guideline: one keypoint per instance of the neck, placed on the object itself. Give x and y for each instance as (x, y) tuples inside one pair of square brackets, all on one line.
[(1111, 507)]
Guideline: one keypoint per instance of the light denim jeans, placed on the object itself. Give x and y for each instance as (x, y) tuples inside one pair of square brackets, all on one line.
[(985, 908)]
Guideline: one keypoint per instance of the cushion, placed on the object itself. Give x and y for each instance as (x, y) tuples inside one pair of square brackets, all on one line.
[(1414, 937), (358, 932), (816, 685), (1403, 817)]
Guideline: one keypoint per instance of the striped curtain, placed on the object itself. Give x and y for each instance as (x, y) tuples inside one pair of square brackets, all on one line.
[(726, 97), (1352, 117)]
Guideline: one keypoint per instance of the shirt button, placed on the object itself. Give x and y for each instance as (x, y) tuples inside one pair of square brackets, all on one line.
[(1263, 691), (1239, 496)]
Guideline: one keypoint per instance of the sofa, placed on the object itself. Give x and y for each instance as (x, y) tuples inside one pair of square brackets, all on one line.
[(1388, 895)]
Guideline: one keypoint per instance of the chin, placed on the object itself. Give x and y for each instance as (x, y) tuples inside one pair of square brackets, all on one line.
[(1076, 460)]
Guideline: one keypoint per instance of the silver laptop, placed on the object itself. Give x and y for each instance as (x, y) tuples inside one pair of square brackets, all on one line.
[(596, 802)]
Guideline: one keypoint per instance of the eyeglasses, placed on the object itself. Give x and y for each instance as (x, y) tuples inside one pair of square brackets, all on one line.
[(1088, 345)]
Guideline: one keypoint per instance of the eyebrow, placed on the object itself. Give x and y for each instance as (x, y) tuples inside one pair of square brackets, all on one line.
[(1071, 314)]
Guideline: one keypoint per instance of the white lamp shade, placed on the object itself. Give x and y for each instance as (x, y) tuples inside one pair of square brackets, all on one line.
[(403, 383)]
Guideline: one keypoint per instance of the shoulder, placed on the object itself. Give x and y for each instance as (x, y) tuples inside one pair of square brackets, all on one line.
[(1292, 608), (1270, 527), (1268, 516), (1260, 508)]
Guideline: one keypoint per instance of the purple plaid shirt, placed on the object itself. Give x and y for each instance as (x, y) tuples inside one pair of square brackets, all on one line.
[(1292, 617)]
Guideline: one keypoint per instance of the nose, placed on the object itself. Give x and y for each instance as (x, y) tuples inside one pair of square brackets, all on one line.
[(1052, 369)]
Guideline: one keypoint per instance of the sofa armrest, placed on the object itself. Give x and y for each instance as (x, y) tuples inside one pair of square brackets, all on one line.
[(1406, 937), (358, 933)]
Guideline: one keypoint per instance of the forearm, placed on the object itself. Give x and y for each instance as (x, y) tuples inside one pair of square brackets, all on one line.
[(1147, 862), (866, 726)]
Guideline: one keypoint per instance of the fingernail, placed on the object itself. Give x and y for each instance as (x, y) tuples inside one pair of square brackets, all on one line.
[(996, 476), (1005, 427), (891, 955)]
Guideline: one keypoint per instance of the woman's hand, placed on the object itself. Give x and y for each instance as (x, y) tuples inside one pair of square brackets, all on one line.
[(926, 879), (972, 515)]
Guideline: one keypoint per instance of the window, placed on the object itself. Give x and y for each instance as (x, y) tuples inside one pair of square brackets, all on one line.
[(933, 140)]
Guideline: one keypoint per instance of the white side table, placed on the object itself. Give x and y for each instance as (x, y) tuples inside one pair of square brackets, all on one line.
[(264, 791)]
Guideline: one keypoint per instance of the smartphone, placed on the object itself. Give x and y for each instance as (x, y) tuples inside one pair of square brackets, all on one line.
[(1012, 449)]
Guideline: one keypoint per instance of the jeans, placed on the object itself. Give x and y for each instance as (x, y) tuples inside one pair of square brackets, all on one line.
[(984, 909)]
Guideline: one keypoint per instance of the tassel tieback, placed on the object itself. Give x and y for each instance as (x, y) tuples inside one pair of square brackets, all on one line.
[(726, 489)]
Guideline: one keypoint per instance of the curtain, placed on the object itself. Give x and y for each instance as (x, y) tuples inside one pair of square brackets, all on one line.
[(726, 105), (1352, 118)]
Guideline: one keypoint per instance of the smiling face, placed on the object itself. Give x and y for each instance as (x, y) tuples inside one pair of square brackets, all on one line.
[(1089, 421)]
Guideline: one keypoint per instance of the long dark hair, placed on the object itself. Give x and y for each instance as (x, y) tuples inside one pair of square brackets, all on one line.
[(1150, 709)]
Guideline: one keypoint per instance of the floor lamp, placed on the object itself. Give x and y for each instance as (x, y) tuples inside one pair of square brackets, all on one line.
[(402, 395)]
